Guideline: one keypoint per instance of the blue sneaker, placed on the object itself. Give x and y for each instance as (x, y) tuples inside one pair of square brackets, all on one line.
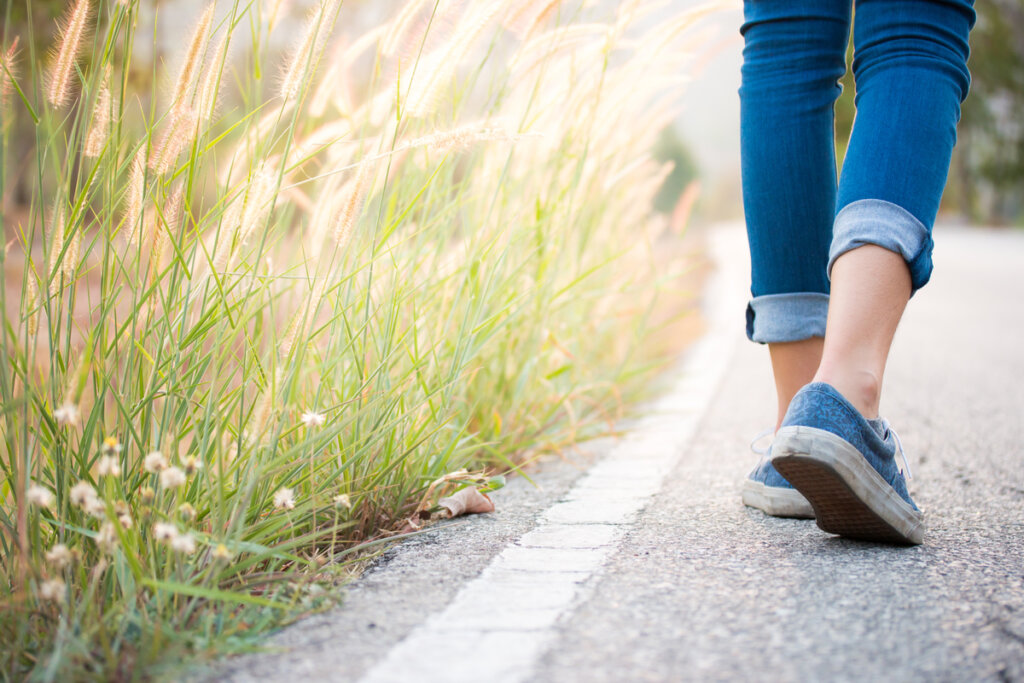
[(846, 467), (767, 490)]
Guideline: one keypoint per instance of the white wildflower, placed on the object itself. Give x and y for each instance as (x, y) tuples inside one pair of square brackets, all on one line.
[(59, 556), (108, 466), (342, 501), (284, 499), (82, 493), (165, 532), (95, 507), (67, 415), (111, 446), (39, 495), (313, 419), (106, 539), (154, 462), (52, 590), (172, 478), (184, 543), (221, 552)]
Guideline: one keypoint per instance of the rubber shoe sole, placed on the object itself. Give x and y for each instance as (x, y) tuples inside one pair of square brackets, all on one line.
[(776, 501), (847, 494)]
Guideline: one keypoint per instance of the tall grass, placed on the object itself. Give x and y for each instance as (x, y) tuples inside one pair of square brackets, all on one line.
[(253, 313)]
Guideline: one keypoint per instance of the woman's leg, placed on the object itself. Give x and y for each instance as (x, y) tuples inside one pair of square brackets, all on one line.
[(911, 75), (793, 57)]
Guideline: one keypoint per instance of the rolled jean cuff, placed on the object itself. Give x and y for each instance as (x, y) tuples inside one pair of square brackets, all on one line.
[(887, 225), (793, 316)]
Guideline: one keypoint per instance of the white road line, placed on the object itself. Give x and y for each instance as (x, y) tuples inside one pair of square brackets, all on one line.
[(499, 625)]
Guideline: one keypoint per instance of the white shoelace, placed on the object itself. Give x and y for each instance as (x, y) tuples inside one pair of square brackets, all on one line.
[(899, 447), (760, 435)]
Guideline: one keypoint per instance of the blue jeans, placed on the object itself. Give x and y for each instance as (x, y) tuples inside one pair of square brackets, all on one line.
[(910, 67)]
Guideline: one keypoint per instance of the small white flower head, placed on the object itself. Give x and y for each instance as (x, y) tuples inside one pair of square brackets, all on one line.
[(106, 539), (192, 465), (124, 514), (154, 462), (187, 512), (59, 556), (111, 446), (39, 495), (284, 499), (165, 532), (82, 493), (313, 419), (184, 543), (108, 466), (221, 552), (67, 415), (94, 507), (147, 495), (52, 590), (342, 501), (172, 478)]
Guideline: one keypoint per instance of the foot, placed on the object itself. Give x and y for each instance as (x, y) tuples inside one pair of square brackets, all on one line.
[(767, 490), (845, 465)]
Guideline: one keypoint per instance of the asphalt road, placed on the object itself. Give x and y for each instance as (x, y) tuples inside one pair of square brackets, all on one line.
[(689, 584)]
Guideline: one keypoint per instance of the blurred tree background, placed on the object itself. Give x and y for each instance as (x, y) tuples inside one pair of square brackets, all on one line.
[(986, 179)]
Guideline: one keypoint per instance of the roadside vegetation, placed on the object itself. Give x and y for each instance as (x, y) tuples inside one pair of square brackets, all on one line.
[(260, 316)]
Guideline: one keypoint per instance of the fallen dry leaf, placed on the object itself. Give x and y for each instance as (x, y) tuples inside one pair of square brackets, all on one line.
[(468, 501)]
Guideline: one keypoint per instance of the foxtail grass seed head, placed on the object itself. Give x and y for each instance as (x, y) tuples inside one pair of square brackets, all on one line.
[(32, 304), (8, 70), (305, 54), (59, 556), (53, 590), (108, 466), (192, 58), (136, 193), (67, 415), (58, 89), (57, 251), (177, 136), (350, 206), (172, 478), (284, 499), (209, 91), (184, 543), (313, 419), (154, 462), (39, 496), (97, 136)]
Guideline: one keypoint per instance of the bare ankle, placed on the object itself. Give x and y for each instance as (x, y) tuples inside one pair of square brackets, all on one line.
[(862, 388)]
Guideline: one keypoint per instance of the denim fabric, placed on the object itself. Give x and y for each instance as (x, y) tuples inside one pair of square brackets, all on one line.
[(787, 317), (819, 405), (911, 76)]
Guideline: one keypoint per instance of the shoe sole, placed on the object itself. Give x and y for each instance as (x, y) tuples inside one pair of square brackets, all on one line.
[(776, 501), (849, 497)]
